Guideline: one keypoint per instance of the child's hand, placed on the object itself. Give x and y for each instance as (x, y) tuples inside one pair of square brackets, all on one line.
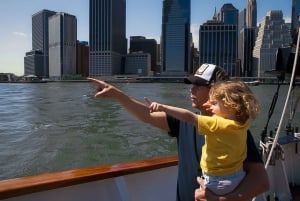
[(153, 106), (148, 101)]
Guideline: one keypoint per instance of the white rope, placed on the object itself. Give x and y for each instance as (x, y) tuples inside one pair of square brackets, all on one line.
[(286, 102)]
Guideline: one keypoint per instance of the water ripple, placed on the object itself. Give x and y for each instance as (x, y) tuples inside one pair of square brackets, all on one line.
[(59, 126)]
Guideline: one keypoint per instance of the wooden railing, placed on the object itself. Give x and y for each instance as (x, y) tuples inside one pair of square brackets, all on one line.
[(32, 184)]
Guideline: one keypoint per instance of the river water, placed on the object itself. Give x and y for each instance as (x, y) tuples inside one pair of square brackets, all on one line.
[(55, 126)]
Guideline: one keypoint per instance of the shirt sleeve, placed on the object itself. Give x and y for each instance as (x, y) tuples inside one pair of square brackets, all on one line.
[(173, 125)]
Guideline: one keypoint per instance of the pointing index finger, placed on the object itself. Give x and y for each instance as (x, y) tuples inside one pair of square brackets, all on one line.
[(96, 81), (92, 79)]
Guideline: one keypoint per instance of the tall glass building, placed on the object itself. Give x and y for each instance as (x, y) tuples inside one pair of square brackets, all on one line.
[(40, 45), (175, 40), (251, 14), (218, 45), (295, 16), (62, 45), (108, 44), (218, 40), (228, 14), (247, 37)]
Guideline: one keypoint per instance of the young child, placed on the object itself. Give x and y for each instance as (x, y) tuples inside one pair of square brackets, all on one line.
[(232, 104)]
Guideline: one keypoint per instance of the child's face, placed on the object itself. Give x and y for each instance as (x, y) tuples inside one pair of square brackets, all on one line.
[(217, 107)]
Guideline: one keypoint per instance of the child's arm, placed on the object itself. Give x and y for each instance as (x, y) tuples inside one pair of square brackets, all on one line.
[(179, 113)]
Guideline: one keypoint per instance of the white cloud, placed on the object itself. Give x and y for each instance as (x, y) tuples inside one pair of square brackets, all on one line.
[(19, 34)]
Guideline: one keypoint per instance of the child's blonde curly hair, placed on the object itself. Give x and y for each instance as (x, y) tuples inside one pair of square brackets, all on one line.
[(238, 96)]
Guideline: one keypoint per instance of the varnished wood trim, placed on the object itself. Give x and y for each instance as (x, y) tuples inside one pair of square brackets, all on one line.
[(32, 184)]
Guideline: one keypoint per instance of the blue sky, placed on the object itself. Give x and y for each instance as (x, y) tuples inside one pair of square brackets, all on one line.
[(143, 18)]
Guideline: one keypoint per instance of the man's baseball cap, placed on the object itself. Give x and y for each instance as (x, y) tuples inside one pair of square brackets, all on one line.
[(207, 74)]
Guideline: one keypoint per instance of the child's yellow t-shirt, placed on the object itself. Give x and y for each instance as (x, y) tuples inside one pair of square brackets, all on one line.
[(225, 148)]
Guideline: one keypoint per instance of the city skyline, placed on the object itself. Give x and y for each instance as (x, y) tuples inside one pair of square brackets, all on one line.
[(143, 18)]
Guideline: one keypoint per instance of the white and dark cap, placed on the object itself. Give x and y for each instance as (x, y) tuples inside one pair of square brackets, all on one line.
[(207, 74)]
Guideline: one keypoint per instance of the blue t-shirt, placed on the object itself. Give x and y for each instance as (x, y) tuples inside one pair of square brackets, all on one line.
[(189, 144)]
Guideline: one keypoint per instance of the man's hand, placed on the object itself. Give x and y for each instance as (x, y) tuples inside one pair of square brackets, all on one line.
[(200, 192), (103, 90)]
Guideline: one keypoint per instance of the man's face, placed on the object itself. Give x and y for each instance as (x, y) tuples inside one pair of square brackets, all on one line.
[(199, 96)]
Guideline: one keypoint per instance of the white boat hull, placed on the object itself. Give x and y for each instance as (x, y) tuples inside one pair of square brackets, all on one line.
[(284, 169)]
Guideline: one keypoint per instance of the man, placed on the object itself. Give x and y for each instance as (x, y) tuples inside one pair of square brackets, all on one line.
[(190, 142)]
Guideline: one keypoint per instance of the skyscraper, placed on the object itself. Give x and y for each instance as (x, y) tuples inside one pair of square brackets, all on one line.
[(62, 45), (82, 58), (242, 19), (228, 14), (272, 34), (175, 41), (247, 37), (141, 43), (108, 44), (218, 40), (218, 45), (295, 16), (251, 14), (40, 45)]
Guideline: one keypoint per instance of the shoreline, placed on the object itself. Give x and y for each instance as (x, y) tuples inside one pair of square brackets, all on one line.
[(110, 79)]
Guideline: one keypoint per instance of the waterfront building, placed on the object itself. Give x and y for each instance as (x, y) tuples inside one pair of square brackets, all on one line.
[(175, 38), (40, 45), (218, 44), (62, 45), (141, 43), (33, 62), (138, 63), (108, 44), (295, 21), (8, 77), (82, 58), (272, 34)]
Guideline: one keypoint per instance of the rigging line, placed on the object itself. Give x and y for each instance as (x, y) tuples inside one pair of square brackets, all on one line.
[(286, 102), (271, 110)]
